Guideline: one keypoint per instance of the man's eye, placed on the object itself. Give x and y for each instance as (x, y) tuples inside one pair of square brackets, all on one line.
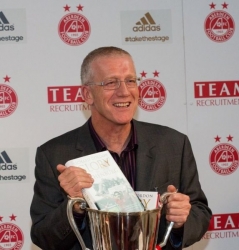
[(131, 81), (110, 82)]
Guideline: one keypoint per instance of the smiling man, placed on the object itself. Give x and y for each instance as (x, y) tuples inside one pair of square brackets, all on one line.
[(149, 155)]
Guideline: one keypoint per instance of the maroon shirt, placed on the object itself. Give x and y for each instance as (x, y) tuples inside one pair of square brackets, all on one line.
[(127, 159)]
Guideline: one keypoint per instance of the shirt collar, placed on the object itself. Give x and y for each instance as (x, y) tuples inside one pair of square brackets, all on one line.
[(100, 146)]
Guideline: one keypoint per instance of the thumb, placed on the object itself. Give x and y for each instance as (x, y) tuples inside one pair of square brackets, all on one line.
[(171, 189), (60, 168)]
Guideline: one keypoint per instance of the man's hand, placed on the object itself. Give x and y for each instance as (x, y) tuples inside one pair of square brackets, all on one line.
[(73, 180), (178, 207)]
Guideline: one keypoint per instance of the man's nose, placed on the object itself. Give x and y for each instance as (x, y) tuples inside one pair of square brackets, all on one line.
[(123, 89)]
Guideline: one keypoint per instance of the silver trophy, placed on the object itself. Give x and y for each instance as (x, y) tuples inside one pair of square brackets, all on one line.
[(121, 231)]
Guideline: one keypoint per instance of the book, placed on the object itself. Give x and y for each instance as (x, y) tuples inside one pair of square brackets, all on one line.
[(111, 190), (150, 199)]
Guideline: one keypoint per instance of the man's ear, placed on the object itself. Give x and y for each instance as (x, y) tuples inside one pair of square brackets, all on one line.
[(86, 94)]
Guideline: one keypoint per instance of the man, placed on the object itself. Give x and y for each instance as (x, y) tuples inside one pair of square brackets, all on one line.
[(151, 156)]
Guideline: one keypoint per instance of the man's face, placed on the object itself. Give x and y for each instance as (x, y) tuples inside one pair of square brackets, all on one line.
[(113, 106)]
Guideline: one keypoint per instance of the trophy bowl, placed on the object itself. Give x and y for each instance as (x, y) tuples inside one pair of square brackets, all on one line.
[(120, 230)]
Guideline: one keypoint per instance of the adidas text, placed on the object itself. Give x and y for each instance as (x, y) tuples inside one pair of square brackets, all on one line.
[(6, 166), (146, 28), (6, 27)]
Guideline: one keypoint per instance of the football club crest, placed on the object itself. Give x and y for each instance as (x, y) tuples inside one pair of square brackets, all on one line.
[(74, 28), (219, 25), (8, 98), (11, 236), (152, 93), (223, 158)]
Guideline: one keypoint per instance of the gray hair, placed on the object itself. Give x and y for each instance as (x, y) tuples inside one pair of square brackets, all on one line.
[(86, 70)]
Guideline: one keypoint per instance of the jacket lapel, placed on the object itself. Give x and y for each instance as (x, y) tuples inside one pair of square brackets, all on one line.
[(145, 159), (84, 142)]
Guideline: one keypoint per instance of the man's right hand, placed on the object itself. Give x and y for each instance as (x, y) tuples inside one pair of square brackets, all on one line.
[(73, 180)]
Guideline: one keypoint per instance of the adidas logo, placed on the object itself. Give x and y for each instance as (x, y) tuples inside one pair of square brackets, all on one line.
[(4, 158), (4, 23), (146, 23), (6, 162)]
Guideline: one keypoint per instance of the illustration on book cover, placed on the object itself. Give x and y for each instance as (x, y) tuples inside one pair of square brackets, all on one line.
[(111, 190)]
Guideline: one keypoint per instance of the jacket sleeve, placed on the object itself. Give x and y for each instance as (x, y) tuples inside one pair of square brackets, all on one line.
[(50, 227), (200, 214), (184, 176)]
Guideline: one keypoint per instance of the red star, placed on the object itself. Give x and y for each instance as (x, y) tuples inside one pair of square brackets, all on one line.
[(224, 5), (13, 217), (212, 5), (1, 218), (143, 74), (229, 138), (80, 7), (67, 8), (6, 78), (217, 138), (156, 73)]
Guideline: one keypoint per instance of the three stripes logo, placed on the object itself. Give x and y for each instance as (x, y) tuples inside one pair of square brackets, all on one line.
[(146, 23), (3, 19), (4, 158), (6, 163), (4, 23)]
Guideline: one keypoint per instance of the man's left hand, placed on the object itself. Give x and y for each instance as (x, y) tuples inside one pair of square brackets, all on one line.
[(178, 207)]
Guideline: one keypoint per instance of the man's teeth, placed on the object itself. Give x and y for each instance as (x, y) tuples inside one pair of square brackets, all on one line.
[(125, 104)]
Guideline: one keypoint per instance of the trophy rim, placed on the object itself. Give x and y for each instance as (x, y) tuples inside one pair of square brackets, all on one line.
[(123, 213)]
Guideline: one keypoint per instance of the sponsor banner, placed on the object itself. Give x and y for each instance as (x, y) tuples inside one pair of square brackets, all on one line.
[(223, 226), (64, 94), (216, 93), (146, 27), (13, 26), (14, 165), (224, 222), (59, 95)]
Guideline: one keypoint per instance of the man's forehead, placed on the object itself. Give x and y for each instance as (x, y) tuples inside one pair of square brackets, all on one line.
[(112, 57)]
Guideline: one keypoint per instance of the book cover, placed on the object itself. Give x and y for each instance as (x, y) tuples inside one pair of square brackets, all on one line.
[(150, 199), (111, 190)]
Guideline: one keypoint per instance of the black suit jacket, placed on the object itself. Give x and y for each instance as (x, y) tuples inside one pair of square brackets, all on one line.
[(164, 157)]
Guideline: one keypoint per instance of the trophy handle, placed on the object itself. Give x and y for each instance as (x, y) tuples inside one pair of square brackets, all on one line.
[(70, 204), (163, 200)]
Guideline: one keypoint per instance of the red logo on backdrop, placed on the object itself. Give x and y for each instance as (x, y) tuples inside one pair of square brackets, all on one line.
[(66, 99), (74, 28), (8, 99), (224, 157), (224, 222), (11, 236), (64, 94), (216, 89), (223, 226), (216, 93), (152, 93), (219, 26)]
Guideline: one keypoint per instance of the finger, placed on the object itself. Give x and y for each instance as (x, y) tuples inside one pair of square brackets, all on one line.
[(74, 179), (77, 188), (60, 168), (70, 173), (171, 189)]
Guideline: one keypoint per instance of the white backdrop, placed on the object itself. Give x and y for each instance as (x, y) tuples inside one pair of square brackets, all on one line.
[(187, 54)]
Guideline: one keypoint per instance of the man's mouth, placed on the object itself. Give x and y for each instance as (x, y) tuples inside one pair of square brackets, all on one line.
[(122, 104)]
